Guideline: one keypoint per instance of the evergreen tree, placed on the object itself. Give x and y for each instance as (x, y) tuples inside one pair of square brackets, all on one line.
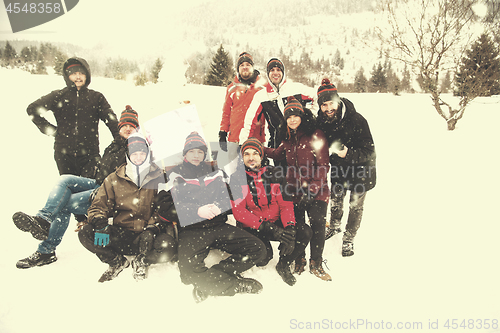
[(360, 81), (406, 80), (479, 70), (155, 71), (9, 55), (378, 81), (221, 69), (59, 61)]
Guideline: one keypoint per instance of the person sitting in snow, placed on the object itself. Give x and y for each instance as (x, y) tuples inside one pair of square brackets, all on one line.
[(199, 201), (72, 195), (128, 196), (352, 161), (263, 209)]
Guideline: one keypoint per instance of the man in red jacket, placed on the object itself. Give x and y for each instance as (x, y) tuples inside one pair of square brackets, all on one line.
[(239, 95), (264, 210)]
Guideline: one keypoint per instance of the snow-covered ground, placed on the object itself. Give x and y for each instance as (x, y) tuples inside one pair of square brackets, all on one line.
[(427, 250)]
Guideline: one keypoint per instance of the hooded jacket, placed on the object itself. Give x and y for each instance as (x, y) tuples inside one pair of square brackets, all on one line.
[(357, 171), (130, 206), (306, 154), (239, 95), (268, 105), (77, 114), (259, 198)]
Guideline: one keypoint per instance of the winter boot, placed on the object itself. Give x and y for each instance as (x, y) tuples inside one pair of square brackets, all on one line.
[(198, 295), (317, 269), (37, 226), (37, 259), (283, 270), (331, 231), (248, 286), (347, 249), (115, 269), (140, 267), (300, 265)]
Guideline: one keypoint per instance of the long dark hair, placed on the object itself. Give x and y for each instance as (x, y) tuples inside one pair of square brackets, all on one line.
[(307, 126)]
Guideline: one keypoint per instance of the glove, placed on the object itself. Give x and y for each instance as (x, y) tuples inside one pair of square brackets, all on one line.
[(306, 201), (223, 140), (287, 244), (275, 232), (101, 236)]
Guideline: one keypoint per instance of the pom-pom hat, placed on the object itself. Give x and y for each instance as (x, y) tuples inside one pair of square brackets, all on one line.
[(244, 57), (293, 108), (194, 141), (129, 117), (253, 143), (327, 92)]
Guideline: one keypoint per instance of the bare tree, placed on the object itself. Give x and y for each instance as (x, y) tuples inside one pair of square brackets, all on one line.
[(430, 36)]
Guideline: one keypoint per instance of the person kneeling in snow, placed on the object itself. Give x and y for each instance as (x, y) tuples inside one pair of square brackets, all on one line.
[(199, 201), (129, 196), (264, 210)]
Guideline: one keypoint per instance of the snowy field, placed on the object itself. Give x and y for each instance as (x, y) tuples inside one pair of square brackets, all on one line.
[(427, 250)]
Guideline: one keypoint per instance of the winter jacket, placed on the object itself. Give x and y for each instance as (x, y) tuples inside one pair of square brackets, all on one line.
[(130, 207), (307, 164), (261, 198), (114, 156), (357, 171), (239, 95), (191, 187), (268, 105), (77, 114)]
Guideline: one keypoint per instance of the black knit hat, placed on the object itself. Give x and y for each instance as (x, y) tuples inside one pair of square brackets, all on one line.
[(129, 117), (73, 68), (137, 143), (293, 108), (275, 62), (327, 92), (244, 57), (194, 141), (253, 143)]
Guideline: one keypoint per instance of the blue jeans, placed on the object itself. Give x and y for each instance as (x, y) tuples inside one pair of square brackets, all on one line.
[(69, 196)]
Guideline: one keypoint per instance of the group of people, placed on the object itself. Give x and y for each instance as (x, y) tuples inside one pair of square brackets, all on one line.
[(131, 212)]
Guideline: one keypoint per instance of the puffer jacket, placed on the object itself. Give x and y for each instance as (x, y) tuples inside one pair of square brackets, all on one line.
[(307, 164), (77, 114), (357, 171), (258, 198), (130, 207), (239, 95)]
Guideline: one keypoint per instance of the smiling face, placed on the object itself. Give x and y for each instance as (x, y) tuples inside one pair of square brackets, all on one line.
[(195, 156), (138, 157), (330, 109), (252, 159), (78, 78), (293, 122), (276, 75), (245, 70)]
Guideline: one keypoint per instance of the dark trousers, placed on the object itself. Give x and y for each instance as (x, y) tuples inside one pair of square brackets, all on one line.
[(161, 248), (356, 204), (220, 279), (302, 238), (84, 165), (317, 219)]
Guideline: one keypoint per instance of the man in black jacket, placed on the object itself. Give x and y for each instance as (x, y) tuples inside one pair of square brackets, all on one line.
[(199, 202), (352, 160), (77, 111)]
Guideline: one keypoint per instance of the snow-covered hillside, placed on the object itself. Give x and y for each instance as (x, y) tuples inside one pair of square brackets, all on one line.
[(427, 249)]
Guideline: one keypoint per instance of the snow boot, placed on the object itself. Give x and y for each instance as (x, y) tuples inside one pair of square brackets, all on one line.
[(283, 270), (140, 267), (331, 231), (37, 226), (248, 286), (198, 295), (37, 259), (300, 265), (347, 249), (317, 269), (115, 269)]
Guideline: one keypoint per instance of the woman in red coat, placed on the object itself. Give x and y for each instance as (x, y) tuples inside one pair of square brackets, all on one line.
[(305, 149)]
